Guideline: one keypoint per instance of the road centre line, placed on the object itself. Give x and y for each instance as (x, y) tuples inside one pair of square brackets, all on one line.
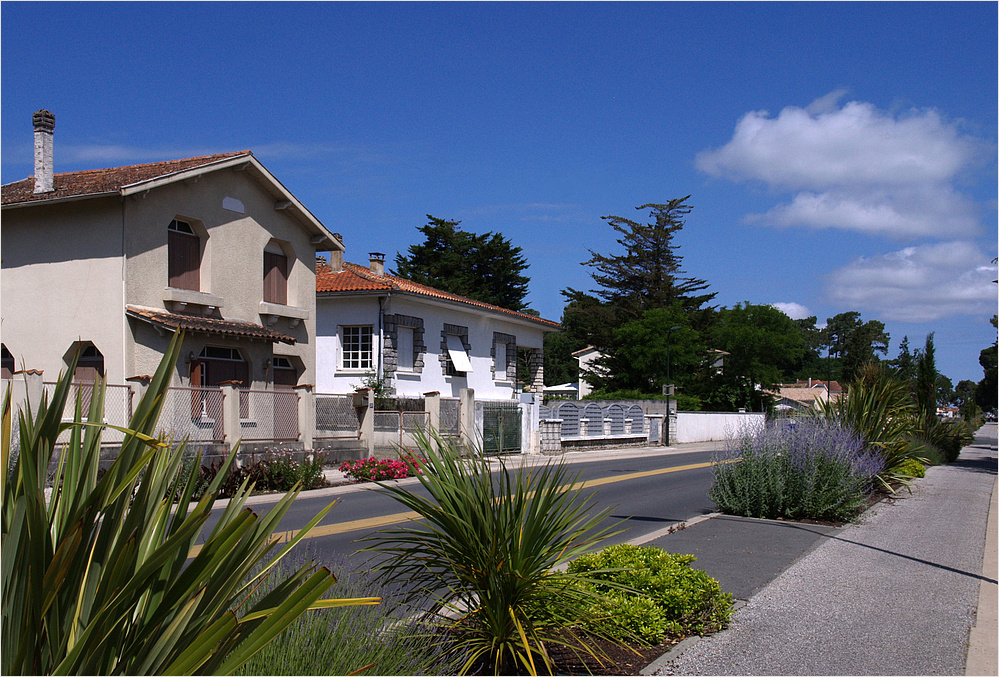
[(400, 517)]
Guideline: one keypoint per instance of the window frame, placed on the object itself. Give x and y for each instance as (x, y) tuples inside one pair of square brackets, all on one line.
[(354, 354), (275, 278)]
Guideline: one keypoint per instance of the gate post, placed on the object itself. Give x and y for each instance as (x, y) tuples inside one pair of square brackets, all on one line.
[(466, 418), (306, 415), (230, 411), (364, 405), (432, 405)]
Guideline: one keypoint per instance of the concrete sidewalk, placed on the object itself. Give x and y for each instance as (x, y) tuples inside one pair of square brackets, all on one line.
[(910, 589)]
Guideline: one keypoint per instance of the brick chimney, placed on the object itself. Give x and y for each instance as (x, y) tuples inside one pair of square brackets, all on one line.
[(377, 263), (44, 122)]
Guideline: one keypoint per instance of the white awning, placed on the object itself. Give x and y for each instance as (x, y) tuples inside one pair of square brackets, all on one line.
[(456, 350)]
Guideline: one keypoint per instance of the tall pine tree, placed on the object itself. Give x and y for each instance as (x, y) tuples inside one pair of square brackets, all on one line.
[(648, 273), (484, 267)]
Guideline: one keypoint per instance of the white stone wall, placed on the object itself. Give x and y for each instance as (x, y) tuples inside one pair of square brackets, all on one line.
[(708, 426)]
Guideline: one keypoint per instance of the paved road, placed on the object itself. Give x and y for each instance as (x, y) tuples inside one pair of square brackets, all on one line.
[(648, 489), (895, 594)]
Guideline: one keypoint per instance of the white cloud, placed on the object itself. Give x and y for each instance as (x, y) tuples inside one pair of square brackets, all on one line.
[(854, 167), (919, 284), (795, 311)]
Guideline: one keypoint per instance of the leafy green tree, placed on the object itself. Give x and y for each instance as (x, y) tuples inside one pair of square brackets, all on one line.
[(903, 367), (637, 360), (964, 399), (763, 344), (814, 363), (855, 343), (484, 267), (985, 393)]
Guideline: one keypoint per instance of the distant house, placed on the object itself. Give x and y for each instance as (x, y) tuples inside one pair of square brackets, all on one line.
[(418, 339), (587, 358), (803, 395), (112, 262)]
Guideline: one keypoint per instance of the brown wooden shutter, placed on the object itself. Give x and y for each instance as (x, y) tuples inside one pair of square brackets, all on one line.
[(184, 252), (275, 278)]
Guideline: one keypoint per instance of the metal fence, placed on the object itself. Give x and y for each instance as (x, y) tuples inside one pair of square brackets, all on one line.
[(336, 417), (193, 413), (117, 407), (268, 415), (399, 426)]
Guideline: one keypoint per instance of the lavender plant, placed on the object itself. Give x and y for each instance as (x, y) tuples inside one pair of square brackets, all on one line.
[(812, 468)]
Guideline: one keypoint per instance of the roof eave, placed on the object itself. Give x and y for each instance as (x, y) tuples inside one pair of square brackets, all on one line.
[(60, 200)]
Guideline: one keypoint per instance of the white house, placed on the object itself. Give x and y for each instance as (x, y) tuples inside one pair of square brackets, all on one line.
[(418, 339)]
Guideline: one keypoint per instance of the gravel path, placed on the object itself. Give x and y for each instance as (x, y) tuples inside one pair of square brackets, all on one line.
[(893, 594)]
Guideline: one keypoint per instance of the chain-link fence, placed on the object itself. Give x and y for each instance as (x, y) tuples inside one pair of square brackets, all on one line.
[(117, 407), (268, 415), (193, 413), (336, 417)]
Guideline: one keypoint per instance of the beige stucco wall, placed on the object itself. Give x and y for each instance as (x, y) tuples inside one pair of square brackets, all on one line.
[(232, 264), (61, 283), (69, 270)]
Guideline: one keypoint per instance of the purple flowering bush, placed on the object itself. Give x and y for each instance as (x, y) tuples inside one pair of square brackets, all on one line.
[(800, 469), (377, 470)]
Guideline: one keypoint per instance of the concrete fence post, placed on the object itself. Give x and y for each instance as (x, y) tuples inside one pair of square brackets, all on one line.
[(432, 405), (230, 412), (551, 436), (364, 405), (466, 418), (306, 415)]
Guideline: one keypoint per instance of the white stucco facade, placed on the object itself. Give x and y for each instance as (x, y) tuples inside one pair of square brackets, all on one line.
[(410, 344)]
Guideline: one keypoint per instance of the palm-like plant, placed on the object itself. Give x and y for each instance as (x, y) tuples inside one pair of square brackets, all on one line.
[(880, 409), (489, 553), (99, 578)]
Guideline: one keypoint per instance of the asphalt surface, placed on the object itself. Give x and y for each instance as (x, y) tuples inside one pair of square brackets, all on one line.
[(894, 594)]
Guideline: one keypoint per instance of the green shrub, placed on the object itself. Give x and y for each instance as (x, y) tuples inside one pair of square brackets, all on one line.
[(807, 469), (277, 472), (487, 554), (912, 468), (103, 577), (664, 596), (949, 437)]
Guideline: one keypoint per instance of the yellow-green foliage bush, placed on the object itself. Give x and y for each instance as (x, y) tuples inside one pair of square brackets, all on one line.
[(650, 594), (912, 468)]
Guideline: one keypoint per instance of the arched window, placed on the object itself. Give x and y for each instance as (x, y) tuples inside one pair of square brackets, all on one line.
[(184, 254), (90, 366), (275, 274), (7, 366)]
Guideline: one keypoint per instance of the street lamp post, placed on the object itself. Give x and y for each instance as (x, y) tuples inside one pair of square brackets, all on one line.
[(668, 384)]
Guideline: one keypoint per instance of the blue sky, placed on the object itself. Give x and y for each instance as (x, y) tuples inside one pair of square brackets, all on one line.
[(838, 156)]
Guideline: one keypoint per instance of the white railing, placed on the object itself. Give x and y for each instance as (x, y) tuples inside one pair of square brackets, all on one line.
[(117, 407)]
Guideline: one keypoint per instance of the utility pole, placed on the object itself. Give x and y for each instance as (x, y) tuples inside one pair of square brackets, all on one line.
[(669, 386)]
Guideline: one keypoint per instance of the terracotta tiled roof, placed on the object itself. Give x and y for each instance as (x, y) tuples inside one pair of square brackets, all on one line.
[(208, 325), (355, 278), (97, 181)]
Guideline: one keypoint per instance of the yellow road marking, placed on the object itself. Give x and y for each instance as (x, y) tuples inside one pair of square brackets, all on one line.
[(400, 517)]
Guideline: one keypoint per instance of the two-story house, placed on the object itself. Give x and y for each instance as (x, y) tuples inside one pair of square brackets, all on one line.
[(113, 261)]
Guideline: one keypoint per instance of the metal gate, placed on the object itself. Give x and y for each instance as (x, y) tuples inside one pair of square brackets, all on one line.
[(501, 424)]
